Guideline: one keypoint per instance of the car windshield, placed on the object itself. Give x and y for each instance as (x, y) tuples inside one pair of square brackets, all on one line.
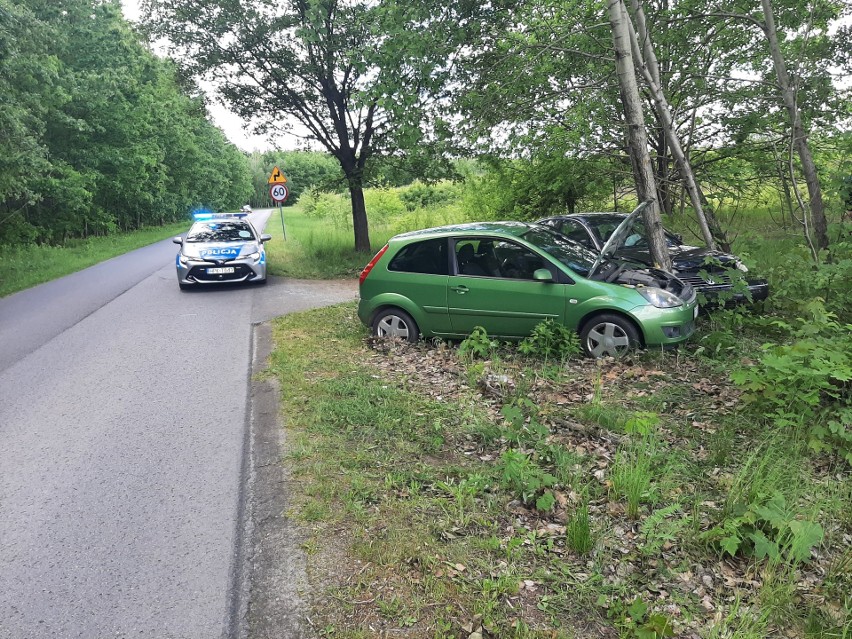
[(219, 232), (604, 225), (573, 255)]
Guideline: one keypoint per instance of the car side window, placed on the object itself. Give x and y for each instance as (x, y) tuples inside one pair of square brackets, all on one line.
[(428, 256), (577, 232), (518, 262)]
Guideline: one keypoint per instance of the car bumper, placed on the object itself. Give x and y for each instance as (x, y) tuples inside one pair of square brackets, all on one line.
[(666, 326), (200, 273), (758, 291)]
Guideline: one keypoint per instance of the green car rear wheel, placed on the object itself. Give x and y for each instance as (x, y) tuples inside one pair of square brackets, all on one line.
[(394, 322)]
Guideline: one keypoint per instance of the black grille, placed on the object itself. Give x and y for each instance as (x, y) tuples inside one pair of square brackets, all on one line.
[(718, 281), (200, 274)]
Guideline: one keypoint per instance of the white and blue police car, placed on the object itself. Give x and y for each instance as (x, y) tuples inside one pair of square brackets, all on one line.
[(221, 248)]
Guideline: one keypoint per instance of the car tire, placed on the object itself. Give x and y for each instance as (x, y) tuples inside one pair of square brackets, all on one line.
[(395, 323), (608, 335)]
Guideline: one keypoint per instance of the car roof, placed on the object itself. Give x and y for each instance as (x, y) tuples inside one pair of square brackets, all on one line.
[(569, 216), (496, 229)]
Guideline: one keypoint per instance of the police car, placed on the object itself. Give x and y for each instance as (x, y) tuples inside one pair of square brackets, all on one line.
[(221, 248)]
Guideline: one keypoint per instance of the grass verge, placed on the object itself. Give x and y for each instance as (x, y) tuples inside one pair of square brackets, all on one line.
[(447, 495), (26, 266), (314, 248)]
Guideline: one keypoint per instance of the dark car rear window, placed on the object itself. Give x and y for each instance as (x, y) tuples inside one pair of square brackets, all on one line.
[(428, 256)]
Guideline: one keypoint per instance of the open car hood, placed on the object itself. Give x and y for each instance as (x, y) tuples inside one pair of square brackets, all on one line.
[(618, 237)]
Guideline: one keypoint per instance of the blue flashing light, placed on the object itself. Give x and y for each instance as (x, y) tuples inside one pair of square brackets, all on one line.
[(207, 215)]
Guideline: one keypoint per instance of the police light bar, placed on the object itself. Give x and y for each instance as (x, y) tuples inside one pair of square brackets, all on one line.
[(218, 216)]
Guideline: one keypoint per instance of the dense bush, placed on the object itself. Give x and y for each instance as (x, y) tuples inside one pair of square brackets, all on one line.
[(420, 196), (805, 380), (99, 134)]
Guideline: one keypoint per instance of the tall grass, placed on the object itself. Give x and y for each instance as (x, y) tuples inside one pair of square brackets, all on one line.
[(321, 246), (24, 266), (314, 248)]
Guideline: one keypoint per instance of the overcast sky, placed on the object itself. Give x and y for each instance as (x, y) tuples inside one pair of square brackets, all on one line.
[(233, 126)]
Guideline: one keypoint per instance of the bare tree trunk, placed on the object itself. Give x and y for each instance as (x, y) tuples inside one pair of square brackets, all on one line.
[(359, 218), (800, 137), (649, 68), (637, 135)]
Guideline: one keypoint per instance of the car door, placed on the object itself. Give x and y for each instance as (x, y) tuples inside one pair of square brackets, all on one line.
[(420, 273), (505, 300), (576, 231)]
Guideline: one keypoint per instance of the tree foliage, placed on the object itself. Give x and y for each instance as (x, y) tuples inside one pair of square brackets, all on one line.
[(538, 79), (96, 133), (331, 66)]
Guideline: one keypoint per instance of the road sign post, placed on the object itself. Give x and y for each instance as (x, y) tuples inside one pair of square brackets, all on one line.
[(278, 192)]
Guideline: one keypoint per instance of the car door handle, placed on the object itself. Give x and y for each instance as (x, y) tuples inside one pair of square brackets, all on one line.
[(460, 289)]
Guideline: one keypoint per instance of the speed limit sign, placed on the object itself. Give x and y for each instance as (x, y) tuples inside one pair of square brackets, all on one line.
[(278, 192)]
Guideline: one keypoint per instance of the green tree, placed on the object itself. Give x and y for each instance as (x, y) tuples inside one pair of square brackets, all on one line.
[(315, 62), (98, 133), (304, 170)]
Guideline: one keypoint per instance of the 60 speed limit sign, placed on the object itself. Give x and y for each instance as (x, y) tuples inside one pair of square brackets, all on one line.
[(278, 192)]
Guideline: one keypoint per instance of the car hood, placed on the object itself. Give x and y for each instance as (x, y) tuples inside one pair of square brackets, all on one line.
[(684, 258), (692, 258), (220, 250), (617, 238)]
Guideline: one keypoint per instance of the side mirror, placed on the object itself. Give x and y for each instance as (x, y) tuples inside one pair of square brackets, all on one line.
[(177, 240), (543, 275), (265, 238)]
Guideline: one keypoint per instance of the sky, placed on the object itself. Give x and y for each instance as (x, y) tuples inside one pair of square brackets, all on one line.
[(235, 128)]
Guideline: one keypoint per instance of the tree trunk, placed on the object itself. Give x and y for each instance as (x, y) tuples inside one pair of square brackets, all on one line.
[(571, 202), (648, 66), (800, 137), (663, 174), (359, 217), (637, 135)]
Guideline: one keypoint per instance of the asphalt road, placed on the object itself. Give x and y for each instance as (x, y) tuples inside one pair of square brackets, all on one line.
[(123, 413)]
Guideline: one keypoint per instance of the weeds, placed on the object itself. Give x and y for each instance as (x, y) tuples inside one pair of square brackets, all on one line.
[(631, 478), (476, 511), (578, 532), (550, 340)]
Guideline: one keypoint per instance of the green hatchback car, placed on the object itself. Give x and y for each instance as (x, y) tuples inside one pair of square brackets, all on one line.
[(509, 276)]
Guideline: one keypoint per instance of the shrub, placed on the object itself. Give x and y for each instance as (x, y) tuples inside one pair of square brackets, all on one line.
[(806, 381), (524, 478), (766, 528), (478, 344), (418, 195), (550, 339), (383, 204)]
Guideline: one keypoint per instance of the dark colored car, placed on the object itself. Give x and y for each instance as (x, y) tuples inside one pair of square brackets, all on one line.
[(708, 271)]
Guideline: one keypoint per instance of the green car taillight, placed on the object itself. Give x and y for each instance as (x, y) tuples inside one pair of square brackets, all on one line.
[(372, 263)]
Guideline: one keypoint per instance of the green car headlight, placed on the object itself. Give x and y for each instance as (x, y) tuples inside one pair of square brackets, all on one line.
[(659, 298)]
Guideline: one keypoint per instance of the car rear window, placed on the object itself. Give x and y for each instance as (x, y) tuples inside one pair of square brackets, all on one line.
[(428, 256)]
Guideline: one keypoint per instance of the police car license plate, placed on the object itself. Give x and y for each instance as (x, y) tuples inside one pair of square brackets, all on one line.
[(220, 271)]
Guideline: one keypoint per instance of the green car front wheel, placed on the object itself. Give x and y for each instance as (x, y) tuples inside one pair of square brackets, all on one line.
[(608, 335)]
